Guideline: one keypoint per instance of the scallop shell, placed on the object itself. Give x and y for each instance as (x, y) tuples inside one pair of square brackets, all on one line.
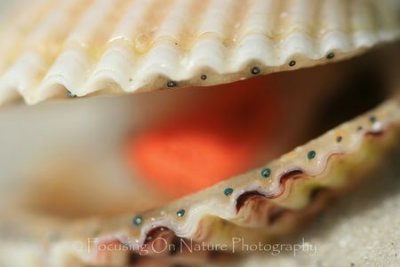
[(79, 47), (261, 205)]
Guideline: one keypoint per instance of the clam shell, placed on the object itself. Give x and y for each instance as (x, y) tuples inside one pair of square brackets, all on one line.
[(50, 48), (259, 205)]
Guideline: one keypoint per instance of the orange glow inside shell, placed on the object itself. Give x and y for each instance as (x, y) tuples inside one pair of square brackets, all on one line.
[(220, 136)]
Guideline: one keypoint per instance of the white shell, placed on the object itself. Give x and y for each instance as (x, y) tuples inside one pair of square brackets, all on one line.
[(119, 46), (211, 216)]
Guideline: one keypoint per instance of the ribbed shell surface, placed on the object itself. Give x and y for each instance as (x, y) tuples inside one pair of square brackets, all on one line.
[(50, 47)]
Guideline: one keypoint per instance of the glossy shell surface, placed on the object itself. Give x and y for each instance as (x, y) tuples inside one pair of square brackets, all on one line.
[(70, 48), (60, 48)]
